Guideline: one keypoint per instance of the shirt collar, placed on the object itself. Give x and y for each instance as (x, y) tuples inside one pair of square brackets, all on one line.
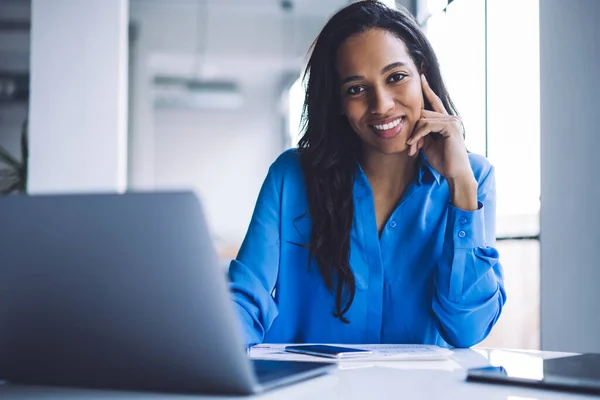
[(426, 171), (425, 174)]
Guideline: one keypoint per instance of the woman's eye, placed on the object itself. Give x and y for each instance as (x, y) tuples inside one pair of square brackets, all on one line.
[(354, 90), (396, 77)]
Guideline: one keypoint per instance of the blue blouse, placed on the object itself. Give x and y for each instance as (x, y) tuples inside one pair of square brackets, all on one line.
[(432, 277)]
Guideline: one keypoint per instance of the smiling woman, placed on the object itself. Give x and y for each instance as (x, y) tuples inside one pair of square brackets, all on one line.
[(379, 228), (397, 79)]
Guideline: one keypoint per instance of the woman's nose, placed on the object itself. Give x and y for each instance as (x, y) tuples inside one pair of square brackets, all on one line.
[(381, 102)]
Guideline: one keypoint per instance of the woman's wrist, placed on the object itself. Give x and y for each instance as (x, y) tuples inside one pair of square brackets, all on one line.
[(463, 193)]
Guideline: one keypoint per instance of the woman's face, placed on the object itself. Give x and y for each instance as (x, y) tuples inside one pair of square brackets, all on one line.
[(380, 88)]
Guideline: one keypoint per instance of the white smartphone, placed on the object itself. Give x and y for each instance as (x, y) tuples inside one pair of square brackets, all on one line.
[(323, 350)]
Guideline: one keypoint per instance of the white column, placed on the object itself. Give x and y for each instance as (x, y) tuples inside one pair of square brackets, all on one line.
[(570, 219), (78, 96)]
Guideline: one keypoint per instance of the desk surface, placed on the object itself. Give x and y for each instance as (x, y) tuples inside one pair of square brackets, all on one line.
[(382, 380)]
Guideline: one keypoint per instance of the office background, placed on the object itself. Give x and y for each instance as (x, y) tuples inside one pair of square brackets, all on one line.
[(204, 94)]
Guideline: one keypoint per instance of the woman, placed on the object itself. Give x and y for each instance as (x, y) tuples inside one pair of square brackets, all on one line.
[(379, 228)]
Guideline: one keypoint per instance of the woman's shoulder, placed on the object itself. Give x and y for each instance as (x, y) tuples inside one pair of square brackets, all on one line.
[(481, 166), (288, 159), (287, 164), (286, 168)]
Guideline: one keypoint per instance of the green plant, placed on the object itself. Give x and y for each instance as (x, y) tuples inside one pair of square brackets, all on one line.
[(13, 178)]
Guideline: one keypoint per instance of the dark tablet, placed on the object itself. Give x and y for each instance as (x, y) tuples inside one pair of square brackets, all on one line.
[(579, 373)]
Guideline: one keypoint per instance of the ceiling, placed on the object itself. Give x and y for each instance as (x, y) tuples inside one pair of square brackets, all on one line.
[(304, 7), (247, 41)]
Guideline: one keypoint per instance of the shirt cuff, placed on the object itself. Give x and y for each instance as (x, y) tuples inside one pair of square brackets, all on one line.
[(467, 227), (246, 326)]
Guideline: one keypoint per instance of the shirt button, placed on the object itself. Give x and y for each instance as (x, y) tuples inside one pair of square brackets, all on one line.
[(392, 224), (462, 234), (463, 220)]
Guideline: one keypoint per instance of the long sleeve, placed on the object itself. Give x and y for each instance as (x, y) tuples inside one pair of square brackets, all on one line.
[(253, 274), (469, 285)]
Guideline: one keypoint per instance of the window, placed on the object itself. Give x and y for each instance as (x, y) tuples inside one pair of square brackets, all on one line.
[(513, 113), (458, 37), (389, 3), (492, 74)]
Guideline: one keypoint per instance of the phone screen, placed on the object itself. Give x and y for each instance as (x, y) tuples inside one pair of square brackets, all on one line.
[(323, 350)]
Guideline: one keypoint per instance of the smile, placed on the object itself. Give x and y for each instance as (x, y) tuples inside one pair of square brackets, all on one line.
[(388, 126), (389, 130)]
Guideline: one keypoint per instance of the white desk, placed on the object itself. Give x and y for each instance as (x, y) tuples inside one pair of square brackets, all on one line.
[(387, 380)]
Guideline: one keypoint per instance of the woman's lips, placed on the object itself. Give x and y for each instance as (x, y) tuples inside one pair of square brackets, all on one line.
[(389, 130)]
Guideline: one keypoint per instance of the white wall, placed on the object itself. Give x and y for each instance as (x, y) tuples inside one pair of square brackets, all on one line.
[(223, 155), (570, 217), (78, 104)]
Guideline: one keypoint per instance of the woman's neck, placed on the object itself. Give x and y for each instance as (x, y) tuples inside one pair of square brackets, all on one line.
[(389, 175)]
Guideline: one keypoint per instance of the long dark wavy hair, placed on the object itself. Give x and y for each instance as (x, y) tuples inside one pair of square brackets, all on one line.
[(330, 150)]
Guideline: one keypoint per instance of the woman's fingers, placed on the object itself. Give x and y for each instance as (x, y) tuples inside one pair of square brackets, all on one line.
[(425, 126), (433, 98), (434, 114)]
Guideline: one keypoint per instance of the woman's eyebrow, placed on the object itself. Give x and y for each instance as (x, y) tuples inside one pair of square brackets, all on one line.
[(383, 71), (391, 66)]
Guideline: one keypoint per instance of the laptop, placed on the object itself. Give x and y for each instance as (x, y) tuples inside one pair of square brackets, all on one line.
[(122, 292)]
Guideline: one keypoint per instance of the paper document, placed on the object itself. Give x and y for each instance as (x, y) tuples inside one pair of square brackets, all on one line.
[(381, 352)]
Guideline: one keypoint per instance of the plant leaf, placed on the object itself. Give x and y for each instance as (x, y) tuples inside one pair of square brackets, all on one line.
[(24, 156), (14, 187), (22, 188), (8, 159), (24, 143), (7, 173), (8, 186)]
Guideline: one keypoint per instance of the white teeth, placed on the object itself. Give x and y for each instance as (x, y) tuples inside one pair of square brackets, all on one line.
[(391, 125)]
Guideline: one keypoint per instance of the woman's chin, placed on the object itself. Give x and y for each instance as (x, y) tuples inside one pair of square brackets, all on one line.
[(392, 149)]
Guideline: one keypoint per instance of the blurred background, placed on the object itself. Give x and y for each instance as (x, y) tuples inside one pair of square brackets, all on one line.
[(203, 95)]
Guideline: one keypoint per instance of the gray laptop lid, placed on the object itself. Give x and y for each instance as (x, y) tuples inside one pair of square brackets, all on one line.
[(86, 300)]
